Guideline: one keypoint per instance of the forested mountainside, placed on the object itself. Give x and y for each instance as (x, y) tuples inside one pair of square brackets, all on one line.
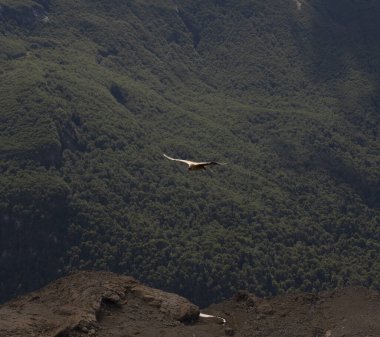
[(286, 92)]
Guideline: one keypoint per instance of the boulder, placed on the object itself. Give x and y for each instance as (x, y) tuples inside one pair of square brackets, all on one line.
[(170, 304)]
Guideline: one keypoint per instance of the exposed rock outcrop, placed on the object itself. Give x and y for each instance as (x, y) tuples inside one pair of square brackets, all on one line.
[(102, 304), (75, 302), (173, 305)]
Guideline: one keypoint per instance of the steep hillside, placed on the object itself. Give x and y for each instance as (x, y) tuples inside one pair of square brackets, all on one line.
[(286, 92), (103, 304)]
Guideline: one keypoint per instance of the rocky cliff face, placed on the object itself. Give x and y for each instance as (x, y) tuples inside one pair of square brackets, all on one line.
[(105, 304)]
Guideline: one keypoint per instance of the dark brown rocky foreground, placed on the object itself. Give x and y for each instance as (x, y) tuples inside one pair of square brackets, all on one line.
[(105, 304)]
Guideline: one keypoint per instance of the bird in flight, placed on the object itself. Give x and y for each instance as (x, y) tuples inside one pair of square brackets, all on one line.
[(193, 165)]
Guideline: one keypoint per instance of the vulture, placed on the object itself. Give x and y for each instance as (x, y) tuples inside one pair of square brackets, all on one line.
[(193, 165)]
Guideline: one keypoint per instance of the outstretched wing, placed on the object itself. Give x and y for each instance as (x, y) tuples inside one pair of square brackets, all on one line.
[(188, 162), (212, 163)]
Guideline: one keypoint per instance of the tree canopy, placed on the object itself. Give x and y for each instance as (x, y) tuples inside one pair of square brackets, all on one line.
[(93, 92)]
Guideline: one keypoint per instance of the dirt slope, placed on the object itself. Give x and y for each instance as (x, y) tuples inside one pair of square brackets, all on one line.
[(103, 304), (346, 312)]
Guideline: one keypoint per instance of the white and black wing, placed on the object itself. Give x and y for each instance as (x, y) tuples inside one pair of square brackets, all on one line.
[(212, 163), (188, 162)]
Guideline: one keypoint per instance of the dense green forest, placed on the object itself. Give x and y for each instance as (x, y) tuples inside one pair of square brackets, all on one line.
[(286, 92)]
